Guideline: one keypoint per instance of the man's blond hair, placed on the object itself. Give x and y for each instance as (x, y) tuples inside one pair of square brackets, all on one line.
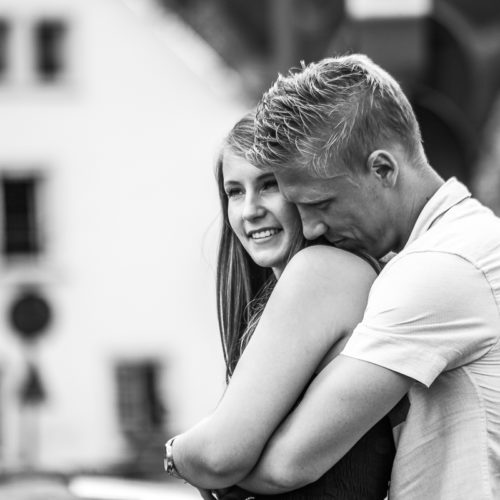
[(331, 115)]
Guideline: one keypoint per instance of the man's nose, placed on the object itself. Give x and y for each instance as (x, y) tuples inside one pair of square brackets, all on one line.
[(313, 230), (252, 207)]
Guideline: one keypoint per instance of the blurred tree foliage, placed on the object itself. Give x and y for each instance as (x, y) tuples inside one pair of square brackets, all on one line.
[(448, 61), (261, 37)]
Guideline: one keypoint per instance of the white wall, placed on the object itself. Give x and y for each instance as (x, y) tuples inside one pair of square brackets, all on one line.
[(127, 146)]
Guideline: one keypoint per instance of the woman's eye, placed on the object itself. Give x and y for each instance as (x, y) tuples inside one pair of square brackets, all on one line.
[(232, 192), (271, 185)]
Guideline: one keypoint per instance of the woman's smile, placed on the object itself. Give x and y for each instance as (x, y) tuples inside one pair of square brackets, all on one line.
[(264, 235)]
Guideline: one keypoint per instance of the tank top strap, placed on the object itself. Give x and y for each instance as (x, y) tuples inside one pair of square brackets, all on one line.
[(377, 266)]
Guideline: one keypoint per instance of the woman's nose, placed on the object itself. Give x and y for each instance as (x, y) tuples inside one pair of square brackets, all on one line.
[(252, 207)]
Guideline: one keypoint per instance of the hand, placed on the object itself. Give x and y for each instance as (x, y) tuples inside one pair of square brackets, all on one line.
[(206, 494), (235, 493)]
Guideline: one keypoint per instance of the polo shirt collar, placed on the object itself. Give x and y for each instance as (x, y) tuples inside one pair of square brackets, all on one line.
[(448, 195)]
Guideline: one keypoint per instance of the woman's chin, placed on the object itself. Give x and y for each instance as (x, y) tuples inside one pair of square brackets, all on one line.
[(263, 260)]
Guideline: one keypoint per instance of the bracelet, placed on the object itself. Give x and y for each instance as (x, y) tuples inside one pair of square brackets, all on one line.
[(168, 462)]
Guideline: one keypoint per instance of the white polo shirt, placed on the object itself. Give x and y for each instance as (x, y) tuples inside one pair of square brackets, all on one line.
[(433, 315)]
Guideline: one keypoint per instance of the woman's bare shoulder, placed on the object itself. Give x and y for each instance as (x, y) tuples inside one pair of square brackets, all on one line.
[(326, 285), (329, 262)]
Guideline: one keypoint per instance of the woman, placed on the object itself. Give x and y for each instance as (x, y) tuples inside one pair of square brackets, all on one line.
[(295, 331)]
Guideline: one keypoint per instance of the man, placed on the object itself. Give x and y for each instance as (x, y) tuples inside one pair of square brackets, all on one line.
[(345, 146)]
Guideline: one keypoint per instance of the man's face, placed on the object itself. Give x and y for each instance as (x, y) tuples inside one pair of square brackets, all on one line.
[(352, 211)]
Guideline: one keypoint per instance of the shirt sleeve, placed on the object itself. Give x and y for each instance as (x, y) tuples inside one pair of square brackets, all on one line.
[(427, 312)]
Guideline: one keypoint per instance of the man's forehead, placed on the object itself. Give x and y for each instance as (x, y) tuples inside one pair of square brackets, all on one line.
[(300, 188)]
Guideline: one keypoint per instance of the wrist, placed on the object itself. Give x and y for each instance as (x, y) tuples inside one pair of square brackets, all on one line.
[(169, 462)]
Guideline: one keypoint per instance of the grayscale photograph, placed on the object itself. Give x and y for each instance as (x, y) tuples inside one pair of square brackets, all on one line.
[(249, 249)]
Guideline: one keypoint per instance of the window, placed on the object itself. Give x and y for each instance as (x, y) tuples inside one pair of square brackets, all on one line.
[(2, 419), (139, 406), (20, 224), (49, 49), (4, 47)]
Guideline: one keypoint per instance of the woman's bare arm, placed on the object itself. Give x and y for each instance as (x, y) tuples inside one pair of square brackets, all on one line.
[(318, 300)]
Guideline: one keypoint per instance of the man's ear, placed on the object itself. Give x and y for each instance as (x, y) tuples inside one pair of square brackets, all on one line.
[(384, 166)]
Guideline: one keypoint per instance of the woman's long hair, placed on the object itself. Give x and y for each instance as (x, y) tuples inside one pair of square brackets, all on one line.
[(243, 287)]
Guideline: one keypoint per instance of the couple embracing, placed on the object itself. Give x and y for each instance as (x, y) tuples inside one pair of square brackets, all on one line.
[(347, 380)]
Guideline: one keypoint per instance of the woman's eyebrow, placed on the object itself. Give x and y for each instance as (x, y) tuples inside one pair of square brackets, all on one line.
[(266, 175), (258, 178)]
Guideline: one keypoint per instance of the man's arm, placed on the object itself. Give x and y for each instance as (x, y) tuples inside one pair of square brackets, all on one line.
[(417, 324), (343, 402)]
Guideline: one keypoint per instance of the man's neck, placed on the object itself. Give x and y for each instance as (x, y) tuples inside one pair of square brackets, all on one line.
[(419, 187)]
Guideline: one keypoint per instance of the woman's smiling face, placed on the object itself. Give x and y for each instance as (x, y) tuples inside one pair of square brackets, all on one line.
[(263, 221)]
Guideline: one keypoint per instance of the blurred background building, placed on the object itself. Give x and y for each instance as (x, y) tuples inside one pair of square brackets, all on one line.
[(112, 112)]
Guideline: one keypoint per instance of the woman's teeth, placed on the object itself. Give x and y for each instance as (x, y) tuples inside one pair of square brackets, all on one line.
[(264, 234)]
